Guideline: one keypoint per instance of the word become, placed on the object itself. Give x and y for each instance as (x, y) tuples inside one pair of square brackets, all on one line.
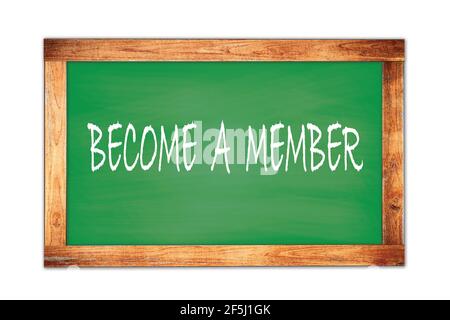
[(265, 147)]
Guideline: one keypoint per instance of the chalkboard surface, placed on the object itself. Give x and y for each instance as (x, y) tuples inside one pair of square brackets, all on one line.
[(242, 203)]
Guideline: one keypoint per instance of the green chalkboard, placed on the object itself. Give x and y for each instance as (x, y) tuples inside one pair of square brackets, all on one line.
[(168, 203)]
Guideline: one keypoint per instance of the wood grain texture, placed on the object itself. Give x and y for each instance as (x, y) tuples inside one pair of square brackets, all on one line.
[(393, 153), (223, 50), (214, 256), (55, 153)]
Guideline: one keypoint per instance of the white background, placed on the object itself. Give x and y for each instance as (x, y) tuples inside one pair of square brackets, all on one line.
[(424, 25)]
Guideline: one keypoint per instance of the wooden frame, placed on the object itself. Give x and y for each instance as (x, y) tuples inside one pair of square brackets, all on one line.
[(58, 52)]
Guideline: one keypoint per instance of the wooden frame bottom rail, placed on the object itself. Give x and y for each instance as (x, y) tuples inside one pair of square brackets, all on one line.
[(216, 256)]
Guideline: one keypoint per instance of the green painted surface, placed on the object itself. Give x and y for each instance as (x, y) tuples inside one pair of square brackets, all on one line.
[(205, 207)]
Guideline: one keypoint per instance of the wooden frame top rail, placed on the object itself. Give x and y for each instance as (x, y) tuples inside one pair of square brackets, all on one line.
[(222, 50)]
